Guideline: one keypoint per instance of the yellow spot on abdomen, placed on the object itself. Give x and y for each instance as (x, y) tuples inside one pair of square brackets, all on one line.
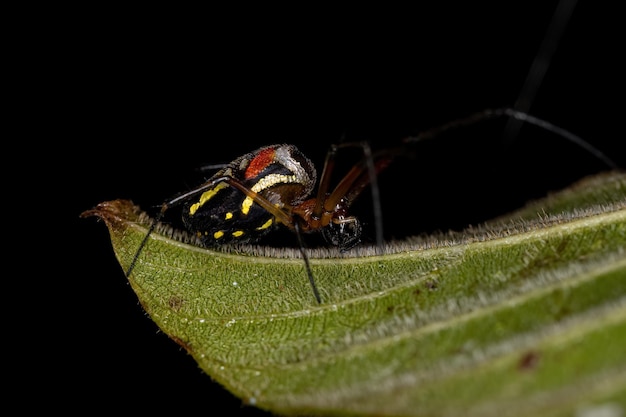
[(265, 225), (238, 233), (228, 216), (206, 196), (247, 203), (218, 234)]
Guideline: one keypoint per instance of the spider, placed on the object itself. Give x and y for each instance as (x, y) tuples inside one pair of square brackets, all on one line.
[(274, 185)]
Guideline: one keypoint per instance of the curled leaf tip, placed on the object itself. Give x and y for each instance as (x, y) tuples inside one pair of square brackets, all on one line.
[(115, 211)]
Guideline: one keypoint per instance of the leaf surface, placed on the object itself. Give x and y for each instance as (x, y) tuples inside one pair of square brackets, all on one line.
[(524, 315)]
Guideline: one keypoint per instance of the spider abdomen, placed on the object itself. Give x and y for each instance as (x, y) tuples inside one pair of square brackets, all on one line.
[(223, 214)]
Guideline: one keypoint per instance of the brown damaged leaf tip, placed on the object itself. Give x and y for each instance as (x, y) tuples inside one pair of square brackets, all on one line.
[(114, 212)]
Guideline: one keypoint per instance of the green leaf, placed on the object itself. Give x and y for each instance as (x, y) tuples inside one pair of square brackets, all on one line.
[(525, 315)]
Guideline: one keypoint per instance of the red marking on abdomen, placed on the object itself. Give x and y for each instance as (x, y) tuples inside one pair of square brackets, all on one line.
[(259, 163)]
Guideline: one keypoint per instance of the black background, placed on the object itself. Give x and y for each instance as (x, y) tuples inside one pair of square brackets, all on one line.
[(139, 100)]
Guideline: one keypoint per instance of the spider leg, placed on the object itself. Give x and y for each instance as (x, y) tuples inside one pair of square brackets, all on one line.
[(363, 173), (329, 165), (306, 263), (490, 114), (211, 167)]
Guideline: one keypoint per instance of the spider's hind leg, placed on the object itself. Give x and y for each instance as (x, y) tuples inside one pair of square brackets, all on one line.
[(512, 114)]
